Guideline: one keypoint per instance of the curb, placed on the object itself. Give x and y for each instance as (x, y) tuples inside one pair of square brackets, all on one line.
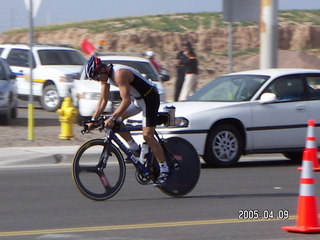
[(51, 154)]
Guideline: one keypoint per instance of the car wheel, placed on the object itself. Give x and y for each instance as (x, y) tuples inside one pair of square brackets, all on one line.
[(294, 156), (50, 99), (223, 147), (5, 118)]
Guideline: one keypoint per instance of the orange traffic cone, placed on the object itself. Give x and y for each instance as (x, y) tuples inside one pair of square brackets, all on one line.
[(307, 221), (311, 145)]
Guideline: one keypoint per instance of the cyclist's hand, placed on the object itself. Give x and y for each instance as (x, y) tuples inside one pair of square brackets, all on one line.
[(90, 126), (109, 123)]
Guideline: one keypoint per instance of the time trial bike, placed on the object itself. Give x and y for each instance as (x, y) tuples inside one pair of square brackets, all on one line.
[(99, 168)]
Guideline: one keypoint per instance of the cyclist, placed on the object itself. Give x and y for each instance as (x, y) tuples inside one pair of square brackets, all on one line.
[(146, 99)]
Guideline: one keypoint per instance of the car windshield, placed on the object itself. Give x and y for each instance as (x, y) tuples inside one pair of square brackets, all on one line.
[(143, 67), (233, 88), (61, 57)]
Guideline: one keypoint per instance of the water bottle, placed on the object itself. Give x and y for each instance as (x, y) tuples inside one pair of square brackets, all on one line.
[(144, 151), (171, 112)]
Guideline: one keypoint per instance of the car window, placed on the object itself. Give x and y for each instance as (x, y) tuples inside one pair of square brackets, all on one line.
[(19, 57), (1, 50), (61, 57), (287, 88), (143, 67), (313, 83), (231, 88)]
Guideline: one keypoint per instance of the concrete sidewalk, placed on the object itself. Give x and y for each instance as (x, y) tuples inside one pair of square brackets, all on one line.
[(50, 153)]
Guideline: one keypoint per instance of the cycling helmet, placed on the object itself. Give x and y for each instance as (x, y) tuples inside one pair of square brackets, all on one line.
[(93, 67)]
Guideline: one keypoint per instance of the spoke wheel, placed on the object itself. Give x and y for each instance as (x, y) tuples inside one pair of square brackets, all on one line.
[(95, 179)]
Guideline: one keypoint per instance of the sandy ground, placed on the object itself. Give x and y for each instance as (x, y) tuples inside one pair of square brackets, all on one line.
[(46, 131)]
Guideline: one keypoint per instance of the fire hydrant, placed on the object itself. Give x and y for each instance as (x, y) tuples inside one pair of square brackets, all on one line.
[(68, 114)]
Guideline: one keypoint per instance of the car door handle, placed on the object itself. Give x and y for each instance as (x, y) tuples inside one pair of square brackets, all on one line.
[(300, 108)]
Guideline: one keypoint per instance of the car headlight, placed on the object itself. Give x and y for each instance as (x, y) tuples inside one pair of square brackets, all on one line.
[(89, 96), (66, 78), (181, 122)]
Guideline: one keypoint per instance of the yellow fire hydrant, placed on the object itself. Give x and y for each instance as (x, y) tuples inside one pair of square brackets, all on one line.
[(68, 114)]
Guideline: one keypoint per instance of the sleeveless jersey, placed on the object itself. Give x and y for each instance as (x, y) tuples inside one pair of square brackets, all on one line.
[(139, 87)]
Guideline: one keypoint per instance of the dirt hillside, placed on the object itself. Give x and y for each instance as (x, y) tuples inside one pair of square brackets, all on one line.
[(299, 44)]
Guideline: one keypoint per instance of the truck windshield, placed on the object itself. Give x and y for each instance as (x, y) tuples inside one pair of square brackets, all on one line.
[(61, 57)]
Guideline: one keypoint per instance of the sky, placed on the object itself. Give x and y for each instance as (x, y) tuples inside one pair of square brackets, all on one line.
[(13, 13)]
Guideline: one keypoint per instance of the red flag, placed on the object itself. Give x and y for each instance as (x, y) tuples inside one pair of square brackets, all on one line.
[(87, 47)]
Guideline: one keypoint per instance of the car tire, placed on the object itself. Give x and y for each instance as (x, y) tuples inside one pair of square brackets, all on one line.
[(294, 156), (50, 99), (5, 118), (223, 147)]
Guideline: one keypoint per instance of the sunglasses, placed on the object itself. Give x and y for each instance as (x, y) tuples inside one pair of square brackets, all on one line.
[(99, 72), (98, 75)]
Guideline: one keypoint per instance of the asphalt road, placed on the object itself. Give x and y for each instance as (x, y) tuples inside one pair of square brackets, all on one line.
[(41, 202)]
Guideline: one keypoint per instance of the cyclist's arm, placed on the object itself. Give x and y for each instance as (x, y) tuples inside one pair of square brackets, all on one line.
[(123, 77), (104, 97)]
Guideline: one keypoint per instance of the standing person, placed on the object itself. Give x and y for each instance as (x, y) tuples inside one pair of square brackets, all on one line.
[(180, 59), (191, 75), (131, 84), (151, 56)]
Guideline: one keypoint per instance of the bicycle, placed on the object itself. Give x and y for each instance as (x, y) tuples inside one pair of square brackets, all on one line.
[(99, 168)]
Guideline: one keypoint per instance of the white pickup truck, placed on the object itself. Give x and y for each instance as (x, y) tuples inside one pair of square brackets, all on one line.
[(53, 69)]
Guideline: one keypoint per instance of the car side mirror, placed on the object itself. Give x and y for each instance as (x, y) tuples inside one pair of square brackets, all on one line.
[(267, 98)]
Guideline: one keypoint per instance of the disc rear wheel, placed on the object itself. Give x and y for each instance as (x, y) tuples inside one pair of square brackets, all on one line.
[(184, 164)]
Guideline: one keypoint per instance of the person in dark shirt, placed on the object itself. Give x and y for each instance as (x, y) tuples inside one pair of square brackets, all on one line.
[(180, 60), (191, 74)]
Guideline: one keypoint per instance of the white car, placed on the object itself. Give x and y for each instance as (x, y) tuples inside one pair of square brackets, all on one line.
[(53, 69), (258, 111), (86, 92)]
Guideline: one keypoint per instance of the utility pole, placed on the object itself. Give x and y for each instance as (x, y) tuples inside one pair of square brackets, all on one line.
[(269, 34), (30, 104), (33, 7)]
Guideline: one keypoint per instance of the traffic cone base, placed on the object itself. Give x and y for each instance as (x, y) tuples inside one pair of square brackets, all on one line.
[(300, 229), (308, 223)]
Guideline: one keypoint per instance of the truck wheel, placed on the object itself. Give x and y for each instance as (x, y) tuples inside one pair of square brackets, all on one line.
[(5, 118), (50, 99)]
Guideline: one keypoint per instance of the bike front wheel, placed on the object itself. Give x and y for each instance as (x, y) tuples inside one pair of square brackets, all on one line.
[(184, 164), (98, 170)]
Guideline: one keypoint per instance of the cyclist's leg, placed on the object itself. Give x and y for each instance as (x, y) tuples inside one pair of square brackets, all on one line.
[(150, 106), (132, 110), (148, 136)]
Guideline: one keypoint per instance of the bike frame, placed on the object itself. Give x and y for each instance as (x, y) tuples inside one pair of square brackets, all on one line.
[(111, 136)]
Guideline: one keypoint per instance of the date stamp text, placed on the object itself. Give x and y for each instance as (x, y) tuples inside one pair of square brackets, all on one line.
[(255, 214)]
